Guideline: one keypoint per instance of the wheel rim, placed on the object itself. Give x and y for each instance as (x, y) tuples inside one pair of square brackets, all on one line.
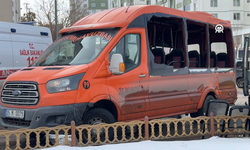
[(96, 120), (239, 82), (93, 132)]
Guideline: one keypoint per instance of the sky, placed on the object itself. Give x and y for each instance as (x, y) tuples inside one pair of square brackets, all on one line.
[(213, 143), (23, 6), (30, 4)]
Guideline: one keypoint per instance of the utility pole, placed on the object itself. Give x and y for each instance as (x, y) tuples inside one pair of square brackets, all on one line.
[(26, 6), (56, 28)]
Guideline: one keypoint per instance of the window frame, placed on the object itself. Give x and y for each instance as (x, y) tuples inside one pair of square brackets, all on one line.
[(125, 46), (195, 7), (236, 2), (213, 3), (215, 15), (236, 16)]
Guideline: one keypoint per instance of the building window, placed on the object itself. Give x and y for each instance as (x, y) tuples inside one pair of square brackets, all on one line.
[(93, 11), (102, 4), (248, 15), (236, 2), (92, 4), (213, 3), (187, 7), (195, 7), (85, 5), (215, 15), (236, 16), (142, 0)]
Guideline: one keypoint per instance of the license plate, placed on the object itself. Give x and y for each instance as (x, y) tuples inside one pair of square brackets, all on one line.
[(14, 113)]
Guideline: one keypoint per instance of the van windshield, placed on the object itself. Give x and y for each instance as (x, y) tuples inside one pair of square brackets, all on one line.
[(80, 47)]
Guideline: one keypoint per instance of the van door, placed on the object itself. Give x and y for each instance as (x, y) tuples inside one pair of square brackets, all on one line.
[(168, 95), (245, 68), (127, 89), (26, 49), (6, 57), (167, 56)]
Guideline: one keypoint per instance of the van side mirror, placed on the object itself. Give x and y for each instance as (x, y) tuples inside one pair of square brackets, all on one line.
[(117, 64)]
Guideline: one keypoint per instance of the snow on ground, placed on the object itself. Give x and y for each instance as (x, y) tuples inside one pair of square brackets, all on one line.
[(213, 143)]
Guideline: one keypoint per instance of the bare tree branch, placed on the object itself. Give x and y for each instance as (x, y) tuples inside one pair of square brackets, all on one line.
[(44, 12)]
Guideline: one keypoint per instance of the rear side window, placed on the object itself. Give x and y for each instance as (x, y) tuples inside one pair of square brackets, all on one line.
[(222, 51)]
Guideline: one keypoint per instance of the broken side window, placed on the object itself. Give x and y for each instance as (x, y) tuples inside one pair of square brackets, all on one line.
[(197, 44), (167, 46)]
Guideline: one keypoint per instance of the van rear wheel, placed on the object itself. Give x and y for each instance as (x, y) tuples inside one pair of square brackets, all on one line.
[(239, 82), (203, 110), (96, 116)]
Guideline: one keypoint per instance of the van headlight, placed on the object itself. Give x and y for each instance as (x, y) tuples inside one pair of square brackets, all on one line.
[(64, 84)]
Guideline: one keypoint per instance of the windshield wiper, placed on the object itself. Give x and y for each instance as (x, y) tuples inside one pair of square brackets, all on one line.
[(60, 64), (54, 64)]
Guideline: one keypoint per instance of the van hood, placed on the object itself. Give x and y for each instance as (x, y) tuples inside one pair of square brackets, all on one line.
[(42, 75)]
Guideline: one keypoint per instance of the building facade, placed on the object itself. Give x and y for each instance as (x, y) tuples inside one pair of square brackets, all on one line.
[(10, 11), (236, 11), (165, 3)]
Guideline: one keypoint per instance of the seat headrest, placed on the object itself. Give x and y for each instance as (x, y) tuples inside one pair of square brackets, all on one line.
[(160, 53), (193, 53), (221, 56), (177, 52)]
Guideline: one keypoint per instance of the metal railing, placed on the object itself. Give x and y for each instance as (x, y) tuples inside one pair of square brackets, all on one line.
[(158, 129)]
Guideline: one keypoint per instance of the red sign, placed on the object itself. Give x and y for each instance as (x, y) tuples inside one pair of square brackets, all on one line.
[(5, 73), (31, 46)]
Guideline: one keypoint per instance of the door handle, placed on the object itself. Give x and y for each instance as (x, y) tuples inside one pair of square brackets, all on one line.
[(142, 75)]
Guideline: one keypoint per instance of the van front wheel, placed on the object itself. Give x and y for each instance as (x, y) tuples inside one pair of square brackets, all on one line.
[(93, 117)]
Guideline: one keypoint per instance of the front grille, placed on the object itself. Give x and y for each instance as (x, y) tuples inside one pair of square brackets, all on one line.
[(18, 122), (20, 93)]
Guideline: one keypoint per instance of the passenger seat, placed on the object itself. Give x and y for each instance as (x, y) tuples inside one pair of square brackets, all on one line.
[(222, 60), (194, 58), (167, 59), (159, 55), (213, 59), (177, 58)]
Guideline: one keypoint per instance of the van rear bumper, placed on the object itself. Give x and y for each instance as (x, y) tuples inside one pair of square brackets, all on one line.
[(50, 116)]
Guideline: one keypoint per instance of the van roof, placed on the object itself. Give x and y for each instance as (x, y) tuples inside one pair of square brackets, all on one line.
[(5, 27), (123, 16)]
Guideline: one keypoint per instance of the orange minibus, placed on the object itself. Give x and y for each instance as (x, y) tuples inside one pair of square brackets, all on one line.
[(123, 64)]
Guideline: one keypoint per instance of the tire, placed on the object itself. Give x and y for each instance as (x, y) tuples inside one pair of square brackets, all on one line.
[(203, 110), (96, 116), (239, 82)]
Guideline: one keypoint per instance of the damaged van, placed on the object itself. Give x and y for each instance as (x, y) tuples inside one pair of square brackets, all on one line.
[(124, 64)]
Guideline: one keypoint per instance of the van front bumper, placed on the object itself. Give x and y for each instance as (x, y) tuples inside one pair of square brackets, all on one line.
[(50, 116)]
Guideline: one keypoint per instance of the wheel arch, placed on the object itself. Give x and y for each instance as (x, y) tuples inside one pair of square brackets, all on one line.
[(206, 92), (106, 104)]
